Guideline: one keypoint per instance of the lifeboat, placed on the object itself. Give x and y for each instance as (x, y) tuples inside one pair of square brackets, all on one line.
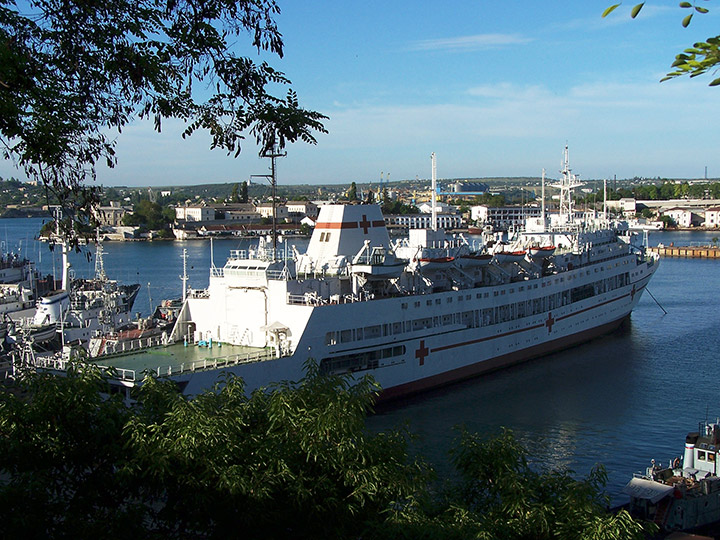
[(503, 257), (541, 252), (474, 260), (435, 263)]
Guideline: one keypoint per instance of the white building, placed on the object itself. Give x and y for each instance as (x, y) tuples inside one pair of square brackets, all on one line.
[(424, 221), (712, 217), (442, 208), (683, 217), (503, 217), (266, 210), (301, 209), (194, 213)]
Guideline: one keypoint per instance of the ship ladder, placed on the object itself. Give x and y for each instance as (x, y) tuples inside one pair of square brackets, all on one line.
[(661, 514)]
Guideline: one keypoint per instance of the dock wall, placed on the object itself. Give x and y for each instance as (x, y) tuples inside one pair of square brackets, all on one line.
[(689, 252)]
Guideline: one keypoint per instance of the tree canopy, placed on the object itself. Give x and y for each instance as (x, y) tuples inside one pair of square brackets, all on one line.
[(702, 57), (72, 72), (292, 461)]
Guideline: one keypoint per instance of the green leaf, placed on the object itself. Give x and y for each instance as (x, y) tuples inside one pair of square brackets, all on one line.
[(609, 10), (686, 20), (685, 5), (716, 82), (636, 10), (678, 62), (701, 9)]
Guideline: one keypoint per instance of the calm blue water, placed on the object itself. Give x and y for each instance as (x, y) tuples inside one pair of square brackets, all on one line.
[(620, 400)]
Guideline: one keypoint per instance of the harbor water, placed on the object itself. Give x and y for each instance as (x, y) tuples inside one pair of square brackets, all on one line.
[(619, 400)]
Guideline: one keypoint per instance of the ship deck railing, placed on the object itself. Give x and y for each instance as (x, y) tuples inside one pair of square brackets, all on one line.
[(260, 254), (147, 362)]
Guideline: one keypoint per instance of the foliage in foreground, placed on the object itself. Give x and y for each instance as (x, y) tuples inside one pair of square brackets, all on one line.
[(291, 462)]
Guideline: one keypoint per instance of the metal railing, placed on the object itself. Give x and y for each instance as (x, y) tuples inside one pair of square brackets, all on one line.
[(130, 375)]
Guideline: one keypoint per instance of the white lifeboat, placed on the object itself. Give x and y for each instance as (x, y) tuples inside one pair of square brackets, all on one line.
[(541, 252)]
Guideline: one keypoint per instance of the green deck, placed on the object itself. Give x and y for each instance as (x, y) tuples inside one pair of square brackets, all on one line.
[(177, 358)]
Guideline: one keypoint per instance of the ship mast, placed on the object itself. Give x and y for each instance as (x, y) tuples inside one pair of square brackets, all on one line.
[(542, 202), (434, 191), (272, 153), (568, 182), (184, 276), (63, 246)]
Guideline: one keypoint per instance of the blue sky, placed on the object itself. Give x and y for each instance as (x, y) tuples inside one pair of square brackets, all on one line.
[(493, 88)]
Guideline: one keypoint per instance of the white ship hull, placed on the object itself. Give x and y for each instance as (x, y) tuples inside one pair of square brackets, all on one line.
[(435, 339)]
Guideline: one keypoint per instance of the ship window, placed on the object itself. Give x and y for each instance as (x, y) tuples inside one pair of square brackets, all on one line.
[(701, 455), (397, 328), (449, 300), (468, 296), (429, 303), (359, 334), (419, 324), (403, 305), (372, 332), (460, 298), (711, 457), (495, 293), (485, 295), (331, 338), (438, 301), (345, 336), (478, 295)]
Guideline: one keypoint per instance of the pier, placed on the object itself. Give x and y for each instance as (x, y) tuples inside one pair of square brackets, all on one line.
[(689, 252)]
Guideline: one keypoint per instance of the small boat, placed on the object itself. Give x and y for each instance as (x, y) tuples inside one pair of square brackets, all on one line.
[(475, 259), (685, 494), (435, 263), (541, 252), (506, 257)]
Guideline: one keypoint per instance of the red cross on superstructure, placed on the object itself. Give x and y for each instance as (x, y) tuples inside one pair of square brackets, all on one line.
[(549, 323), (422, 352), (365, 224)]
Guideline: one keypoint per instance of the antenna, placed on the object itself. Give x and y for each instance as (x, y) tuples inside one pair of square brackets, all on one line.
[(434, 191), (272, 153), (542, 203), (184, 276)]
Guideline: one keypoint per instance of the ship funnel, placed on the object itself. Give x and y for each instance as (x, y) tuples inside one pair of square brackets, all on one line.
[(689, 457)]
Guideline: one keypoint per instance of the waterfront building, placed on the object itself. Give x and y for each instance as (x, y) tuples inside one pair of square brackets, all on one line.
[(111, 215), (195, 213), (684, 217), (712, 217)]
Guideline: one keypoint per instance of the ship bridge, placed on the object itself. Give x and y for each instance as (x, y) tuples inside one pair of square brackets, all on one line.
[(341, 232)]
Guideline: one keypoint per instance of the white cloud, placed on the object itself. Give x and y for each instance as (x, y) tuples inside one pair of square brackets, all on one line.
[(469, 43)]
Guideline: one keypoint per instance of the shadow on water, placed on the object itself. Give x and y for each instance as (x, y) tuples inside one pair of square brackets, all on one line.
[(557, 405)]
